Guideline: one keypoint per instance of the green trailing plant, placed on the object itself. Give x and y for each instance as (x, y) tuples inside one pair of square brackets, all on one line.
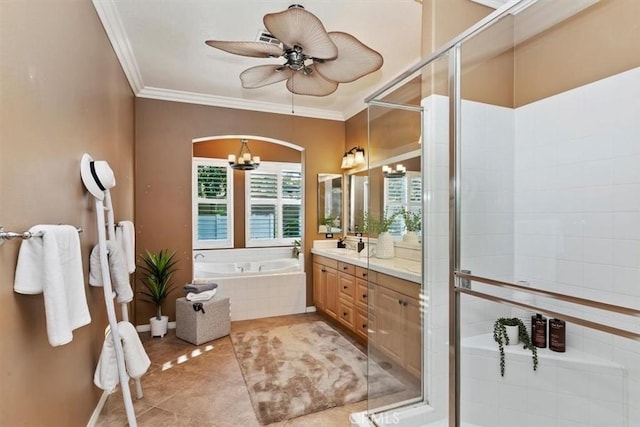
[(158, 269), (372, 224), (412, 220), (500, 336), (328, 222)]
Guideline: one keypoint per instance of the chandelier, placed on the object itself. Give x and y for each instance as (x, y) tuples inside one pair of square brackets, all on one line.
[(245, 161)]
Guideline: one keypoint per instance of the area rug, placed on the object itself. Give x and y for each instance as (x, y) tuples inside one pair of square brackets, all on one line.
[(304, 368)]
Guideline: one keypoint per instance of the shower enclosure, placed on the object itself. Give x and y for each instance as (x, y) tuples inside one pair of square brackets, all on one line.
[(530, 151)]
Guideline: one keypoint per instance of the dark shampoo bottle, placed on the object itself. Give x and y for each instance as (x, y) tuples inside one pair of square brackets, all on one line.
[(539, 330), (557, 335)]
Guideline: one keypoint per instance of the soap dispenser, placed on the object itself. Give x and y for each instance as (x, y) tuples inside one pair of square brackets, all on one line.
[(360, 245)]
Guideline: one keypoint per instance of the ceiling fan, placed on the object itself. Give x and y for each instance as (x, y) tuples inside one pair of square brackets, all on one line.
[(315, 61)]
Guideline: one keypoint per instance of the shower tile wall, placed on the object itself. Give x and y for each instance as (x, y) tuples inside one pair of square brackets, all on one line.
[(576, 230), (577, 209)]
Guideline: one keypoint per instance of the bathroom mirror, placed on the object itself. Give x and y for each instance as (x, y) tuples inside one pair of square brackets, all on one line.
[(371, 190), (329, 203)]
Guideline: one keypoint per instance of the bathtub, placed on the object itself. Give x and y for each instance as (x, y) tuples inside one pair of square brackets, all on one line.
[(258, 282), (227, 269)]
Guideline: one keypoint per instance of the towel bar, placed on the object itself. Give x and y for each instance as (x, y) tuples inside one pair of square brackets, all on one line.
[(10, 235)]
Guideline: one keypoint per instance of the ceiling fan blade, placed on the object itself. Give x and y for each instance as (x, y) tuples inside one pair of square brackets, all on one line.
[(253, 49), (354, 59), (297, 27), (311, 84), (264, 75)]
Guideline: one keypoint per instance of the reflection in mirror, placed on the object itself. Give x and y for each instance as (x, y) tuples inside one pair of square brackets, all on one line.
[(394, 187), (329, 203)]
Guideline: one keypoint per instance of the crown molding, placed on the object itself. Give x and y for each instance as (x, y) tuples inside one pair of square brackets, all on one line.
[(241, 104), (110, 18)]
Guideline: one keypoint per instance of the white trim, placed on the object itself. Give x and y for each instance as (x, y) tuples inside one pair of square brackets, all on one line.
[(96, 412), (311, 309), (251, 137), (147, 327), (242, 104), (110, 18), (495, 4)]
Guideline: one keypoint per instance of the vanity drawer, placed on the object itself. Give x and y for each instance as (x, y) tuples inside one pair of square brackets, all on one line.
[(346, 313), (362, 324), (363, 273), (346, 268), (347, 285), (362, 294)]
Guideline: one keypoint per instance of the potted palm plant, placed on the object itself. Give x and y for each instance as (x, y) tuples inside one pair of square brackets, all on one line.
[(158, 269), (511, 331)]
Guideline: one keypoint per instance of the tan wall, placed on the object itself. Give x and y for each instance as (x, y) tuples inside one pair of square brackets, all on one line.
[(164, 134), (599, 42), (62, 93), (268, 151)]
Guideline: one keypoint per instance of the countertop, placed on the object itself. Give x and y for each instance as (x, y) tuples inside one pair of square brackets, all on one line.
[(397, 267)]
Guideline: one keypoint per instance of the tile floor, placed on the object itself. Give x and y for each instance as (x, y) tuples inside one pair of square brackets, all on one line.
[(203, 386)]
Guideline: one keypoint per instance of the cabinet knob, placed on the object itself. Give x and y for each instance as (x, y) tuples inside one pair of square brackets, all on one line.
[(323, 270), (400, 301), (364, 296), (364, 326), (345, 267), (404, 303), (344, 314), (364, 274)]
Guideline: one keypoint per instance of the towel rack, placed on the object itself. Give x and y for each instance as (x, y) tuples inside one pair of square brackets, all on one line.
[(10, 235)]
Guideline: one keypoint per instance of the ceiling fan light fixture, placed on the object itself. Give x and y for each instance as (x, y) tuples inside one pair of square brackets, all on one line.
[(316, 61)]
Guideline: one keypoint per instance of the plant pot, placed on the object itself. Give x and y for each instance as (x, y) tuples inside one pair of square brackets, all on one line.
[(512, 333), (384, 247), (159, 327), (410, 237)]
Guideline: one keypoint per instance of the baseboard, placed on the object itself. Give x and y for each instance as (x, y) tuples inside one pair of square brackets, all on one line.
[(147, 327), (96, 412), (311, 309)]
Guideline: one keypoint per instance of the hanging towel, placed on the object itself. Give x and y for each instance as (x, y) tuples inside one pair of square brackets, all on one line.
[(202, 296), (126, 238), (52, 265), (117, 270), (136, 360)]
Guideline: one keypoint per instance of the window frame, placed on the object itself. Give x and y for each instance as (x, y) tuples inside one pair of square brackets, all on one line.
[(196, 201), (275, 168)]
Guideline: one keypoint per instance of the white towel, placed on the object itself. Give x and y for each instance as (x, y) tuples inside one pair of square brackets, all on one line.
[(52, 265), (117, 270), (202, 296), (126, 238), (136, 360)]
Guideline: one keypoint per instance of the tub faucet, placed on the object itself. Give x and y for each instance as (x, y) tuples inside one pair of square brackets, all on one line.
[(198, 255)]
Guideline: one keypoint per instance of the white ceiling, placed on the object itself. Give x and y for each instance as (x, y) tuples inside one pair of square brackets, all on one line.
[(160, 44)]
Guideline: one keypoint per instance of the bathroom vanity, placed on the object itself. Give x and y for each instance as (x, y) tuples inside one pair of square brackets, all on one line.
[(377, 300)]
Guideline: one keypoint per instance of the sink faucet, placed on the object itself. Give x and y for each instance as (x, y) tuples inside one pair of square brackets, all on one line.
[(198, 255)]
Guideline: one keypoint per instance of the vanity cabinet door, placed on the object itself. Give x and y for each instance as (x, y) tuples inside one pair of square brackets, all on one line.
[(331, 284), (319, 286), (325, 289), (390, 315)]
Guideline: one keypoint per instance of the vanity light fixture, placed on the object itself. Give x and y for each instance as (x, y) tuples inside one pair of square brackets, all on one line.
[(398, 172), (245, 161), (353, 157)]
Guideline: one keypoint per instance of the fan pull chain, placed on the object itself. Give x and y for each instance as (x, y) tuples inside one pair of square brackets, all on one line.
[(292, 94)]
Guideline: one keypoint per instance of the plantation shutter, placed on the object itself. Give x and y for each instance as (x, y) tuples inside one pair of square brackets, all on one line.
[(212, 193)]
